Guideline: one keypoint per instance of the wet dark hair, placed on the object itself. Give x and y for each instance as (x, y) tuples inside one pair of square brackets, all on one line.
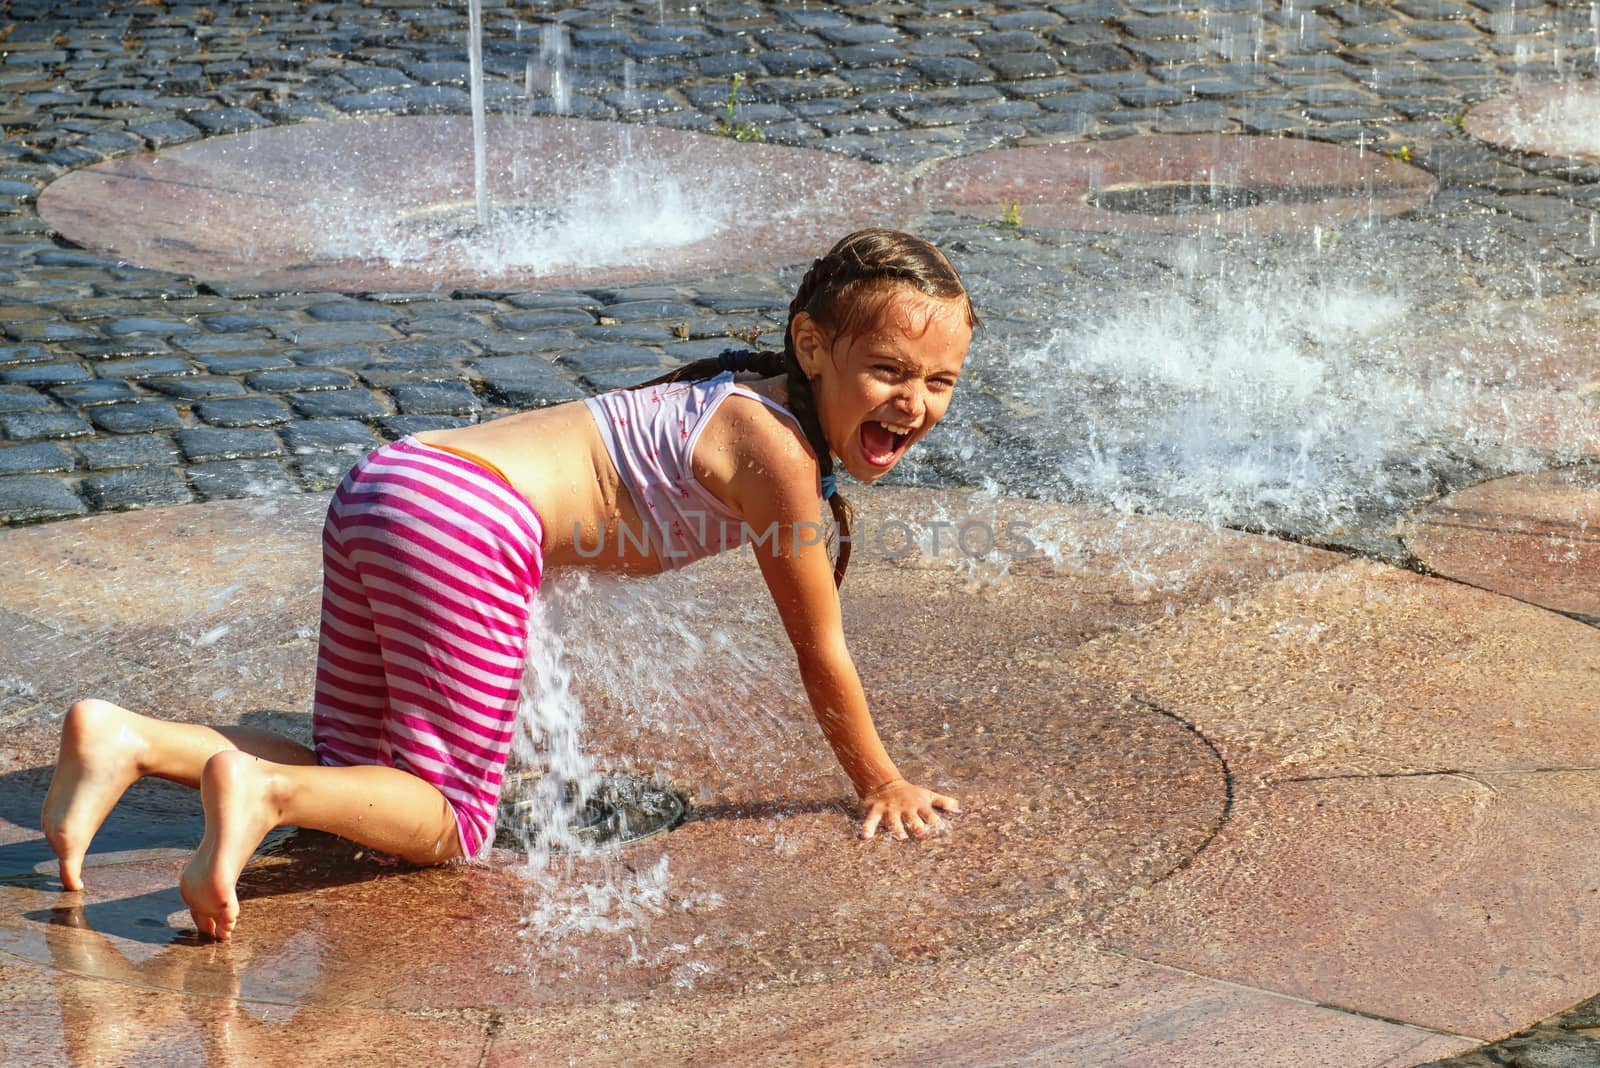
[(843, 288)]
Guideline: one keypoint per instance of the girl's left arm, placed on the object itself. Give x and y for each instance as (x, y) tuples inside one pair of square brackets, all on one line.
[(840, 704), (780, 499)]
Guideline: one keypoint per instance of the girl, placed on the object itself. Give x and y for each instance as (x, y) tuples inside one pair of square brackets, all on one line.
[(434, 546)]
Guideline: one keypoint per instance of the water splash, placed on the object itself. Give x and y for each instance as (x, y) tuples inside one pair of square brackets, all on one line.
[(1231, 397), (1278, 397), (608, 215), (1564, 124), (572, 886), (480, 167), (677, 664), (690, 670), (549, 737)]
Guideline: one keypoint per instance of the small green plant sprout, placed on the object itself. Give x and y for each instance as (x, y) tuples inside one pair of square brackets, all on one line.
[(739, 131), (1010, 213), (1402, 154)]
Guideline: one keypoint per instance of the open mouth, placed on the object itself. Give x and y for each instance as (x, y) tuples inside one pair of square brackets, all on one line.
[(883, 443)]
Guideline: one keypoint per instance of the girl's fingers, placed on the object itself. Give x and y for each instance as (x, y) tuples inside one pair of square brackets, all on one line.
[(919, 822), (869, 826)]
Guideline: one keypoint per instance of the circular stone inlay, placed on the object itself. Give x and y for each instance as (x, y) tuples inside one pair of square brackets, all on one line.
[(452, 222), (1074, 797), (388, 204), (1532, 537), (619, 811), (1553, 120), (1183, 198), (1176, 183)]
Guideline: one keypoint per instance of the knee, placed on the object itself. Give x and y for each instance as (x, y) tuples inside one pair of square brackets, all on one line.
[(446, 846), (236, 775), (229, 768), (91, 716)]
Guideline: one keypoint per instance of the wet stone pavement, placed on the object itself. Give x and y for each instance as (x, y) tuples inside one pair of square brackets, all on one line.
[(122, 387), (128, 388)]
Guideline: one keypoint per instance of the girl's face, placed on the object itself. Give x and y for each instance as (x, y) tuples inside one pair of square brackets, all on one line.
[(884, 386)]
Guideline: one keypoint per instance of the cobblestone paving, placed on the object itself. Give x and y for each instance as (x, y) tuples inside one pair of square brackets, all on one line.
[(1569, 1040), (122, 387)]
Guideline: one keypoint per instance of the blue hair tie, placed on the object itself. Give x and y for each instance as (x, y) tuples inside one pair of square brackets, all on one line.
[(735, 359), (830, 486)]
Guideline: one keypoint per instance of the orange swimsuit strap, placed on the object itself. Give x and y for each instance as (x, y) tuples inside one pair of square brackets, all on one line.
[(470, 457)]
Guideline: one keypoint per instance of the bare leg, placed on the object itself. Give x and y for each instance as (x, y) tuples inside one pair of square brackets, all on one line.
[(384, 808), (105, 749)]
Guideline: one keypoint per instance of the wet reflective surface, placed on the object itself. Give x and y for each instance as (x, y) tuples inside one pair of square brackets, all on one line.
[(378, 204), (1273, 770), (1533, 537), (1561, 119), (1035, 756), (1253, 184), (1229, 800)]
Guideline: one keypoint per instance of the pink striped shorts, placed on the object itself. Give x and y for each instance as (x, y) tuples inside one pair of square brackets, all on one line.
[(430, 564)]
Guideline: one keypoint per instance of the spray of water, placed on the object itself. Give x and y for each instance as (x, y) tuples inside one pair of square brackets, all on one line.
[(550, 738), (668, 663), (572, 886), (1229, 398), (608, 215), (1565, 124), (662, 664), (480, 168), (1270, 397)]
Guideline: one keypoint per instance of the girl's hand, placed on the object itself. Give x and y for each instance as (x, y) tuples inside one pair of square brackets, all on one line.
[(904, 810)]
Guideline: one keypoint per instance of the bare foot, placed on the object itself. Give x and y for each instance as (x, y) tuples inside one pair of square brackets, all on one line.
[(102, 747), (238, 795)]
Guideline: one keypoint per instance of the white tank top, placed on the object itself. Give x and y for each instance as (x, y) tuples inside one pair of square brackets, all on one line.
[(651, 433)]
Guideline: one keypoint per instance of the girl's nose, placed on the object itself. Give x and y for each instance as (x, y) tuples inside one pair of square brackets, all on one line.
[(912, 402)]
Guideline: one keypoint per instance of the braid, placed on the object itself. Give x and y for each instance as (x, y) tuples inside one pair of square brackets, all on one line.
[(765, 364), (803, 403)]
